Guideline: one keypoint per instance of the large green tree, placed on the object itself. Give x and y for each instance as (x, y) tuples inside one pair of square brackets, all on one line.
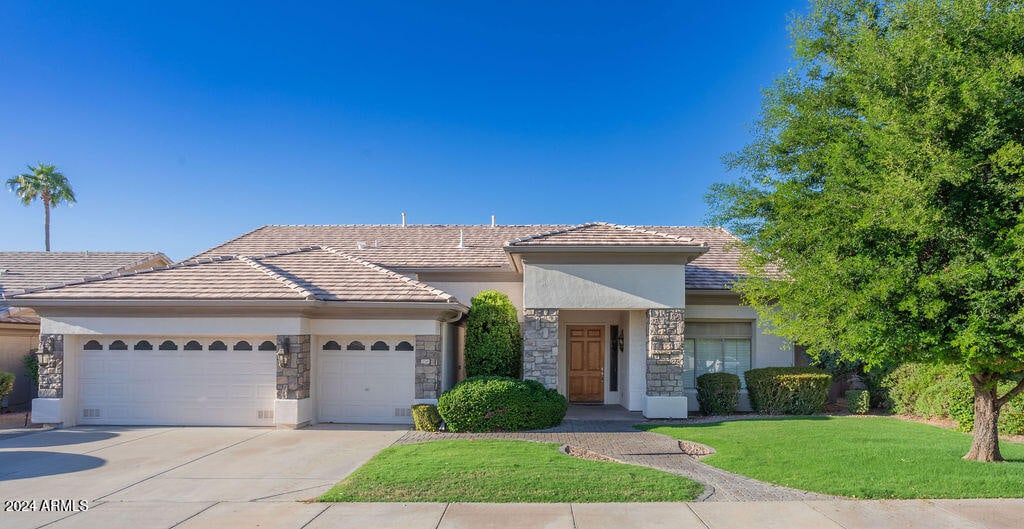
[(881, 198), (493, 343), (43, 182)]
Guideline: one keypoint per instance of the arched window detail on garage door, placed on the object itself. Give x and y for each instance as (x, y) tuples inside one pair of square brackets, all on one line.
[(218, 345), (243, 346), (118, 345), (92, 345), (356, 346), (380, 346), (168, 345), (193, 345), (268, 346), (332, 346), (404, 346), (143, 345)]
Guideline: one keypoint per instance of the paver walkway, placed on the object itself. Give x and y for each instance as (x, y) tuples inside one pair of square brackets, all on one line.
[(618, 440)]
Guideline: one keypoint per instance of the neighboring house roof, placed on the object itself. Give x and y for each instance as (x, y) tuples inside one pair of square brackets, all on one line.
[(604, 235), (312, 274), (20, 271), (425, 247)]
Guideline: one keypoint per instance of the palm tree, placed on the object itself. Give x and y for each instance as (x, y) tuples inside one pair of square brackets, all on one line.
[(46, 183)]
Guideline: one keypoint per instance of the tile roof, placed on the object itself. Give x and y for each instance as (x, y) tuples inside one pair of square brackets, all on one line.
[(602, 234), (437, 246), (309, 273), (26, 270)]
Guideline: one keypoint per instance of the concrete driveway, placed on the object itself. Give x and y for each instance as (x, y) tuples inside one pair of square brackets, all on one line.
[(160, 476)]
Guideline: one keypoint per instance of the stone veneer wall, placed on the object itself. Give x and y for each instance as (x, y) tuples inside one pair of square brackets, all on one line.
[(540, 346), (665, 362), (51, 366), (428, 366), (293, 377)]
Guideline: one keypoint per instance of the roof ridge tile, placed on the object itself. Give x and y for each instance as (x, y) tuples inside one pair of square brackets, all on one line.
[(534, 236), (261, 267), (433, 290)]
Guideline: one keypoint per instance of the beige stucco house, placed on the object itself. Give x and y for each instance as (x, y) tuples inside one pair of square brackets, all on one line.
[(19, 271), (291, 325)]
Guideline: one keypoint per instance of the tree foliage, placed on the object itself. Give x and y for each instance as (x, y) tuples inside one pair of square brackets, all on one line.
[(493, 343), (884, 179), (45, 183)]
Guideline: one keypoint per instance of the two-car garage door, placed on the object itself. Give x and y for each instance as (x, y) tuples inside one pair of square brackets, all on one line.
[(233, 381), (225, 382)]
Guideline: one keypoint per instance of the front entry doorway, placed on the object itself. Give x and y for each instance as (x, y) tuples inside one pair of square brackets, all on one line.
[(586, 363)]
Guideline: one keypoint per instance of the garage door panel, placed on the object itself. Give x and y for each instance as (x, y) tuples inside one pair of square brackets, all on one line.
[(365, 386), (177, 387)]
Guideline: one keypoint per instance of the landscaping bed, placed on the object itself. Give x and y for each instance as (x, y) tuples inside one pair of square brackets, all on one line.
[(503, 471), (859, 457)]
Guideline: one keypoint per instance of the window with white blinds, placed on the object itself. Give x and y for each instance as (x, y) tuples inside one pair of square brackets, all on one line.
[(715, 355)]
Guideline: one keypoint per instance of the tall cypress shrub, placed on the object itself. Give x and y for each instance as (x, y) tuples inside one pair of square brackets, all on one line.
[(494, 345)]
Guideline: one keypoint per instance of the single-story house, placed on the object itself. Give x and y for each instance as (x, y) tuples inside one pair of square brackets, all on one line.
[(20, 271), (292, 325)]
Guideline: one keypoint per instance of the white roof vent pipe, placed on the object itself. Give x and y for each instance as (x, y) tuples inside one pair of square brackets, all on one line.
[(361, 245), (403, 219), (492, 221), (462, 240)]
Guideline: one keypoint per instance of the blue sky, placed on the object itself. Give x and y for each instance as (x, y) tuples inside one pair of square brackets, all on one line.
[(183, 125)]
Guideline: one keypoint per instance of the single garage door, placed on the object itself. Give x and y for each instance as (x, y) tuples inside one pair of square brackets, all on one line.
[(366, 381), (138, 381)]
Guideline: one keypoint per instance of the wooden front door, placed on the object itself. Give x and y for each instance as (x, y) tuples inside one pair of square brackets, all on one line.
[(586, 364)]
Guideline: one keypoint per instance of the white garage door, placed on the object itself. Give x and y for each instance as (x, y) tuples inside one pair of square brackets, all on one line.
[(177, 382), (360, 383)]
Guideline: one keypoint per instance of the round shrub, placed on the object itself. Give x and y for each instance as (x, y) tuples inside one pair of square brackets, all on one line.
[(858, 401), (426, 418), (494, 345), (492, 403), (718, 393), (789, 390)]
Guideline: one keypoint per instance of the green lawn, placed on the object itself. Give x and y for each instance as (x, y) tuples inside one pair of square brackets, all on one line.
[(863, 457), (503, 471)]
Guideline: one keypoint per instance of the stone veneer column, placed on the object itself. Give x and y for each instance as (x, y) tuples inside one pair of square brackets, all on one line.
[(428, 366), (665, 362), (51, 366), (293, 364), (540, 346)]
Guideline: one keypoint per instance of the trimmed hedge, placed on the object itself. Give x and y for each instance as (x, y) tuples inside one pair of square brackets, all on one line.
[(426, 418), (718, 393), (494, 345), (858, 401), (492, 403), (938, 391), (6, 383), (788, 390)]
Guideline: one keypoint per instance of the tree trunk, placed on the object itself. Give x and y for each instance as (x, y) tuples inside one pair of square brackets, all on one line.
[(985, 446), (46, 207)]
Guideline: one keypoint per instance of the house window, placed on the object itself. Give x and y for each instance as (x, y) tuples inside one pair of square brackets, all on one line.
[(193, 345), (717, 347), (143, 345), (218, 345), (168, 346), (93, 345), (118, 345), (379, 346), (717, 355), (332, 346), (355, 346), (243, 346), (268, 346), (404, 346)]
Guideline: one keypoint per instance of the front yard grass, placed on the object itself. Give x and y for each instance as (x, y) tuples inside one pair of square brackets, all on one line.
[(862, 457), (503, 471)]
